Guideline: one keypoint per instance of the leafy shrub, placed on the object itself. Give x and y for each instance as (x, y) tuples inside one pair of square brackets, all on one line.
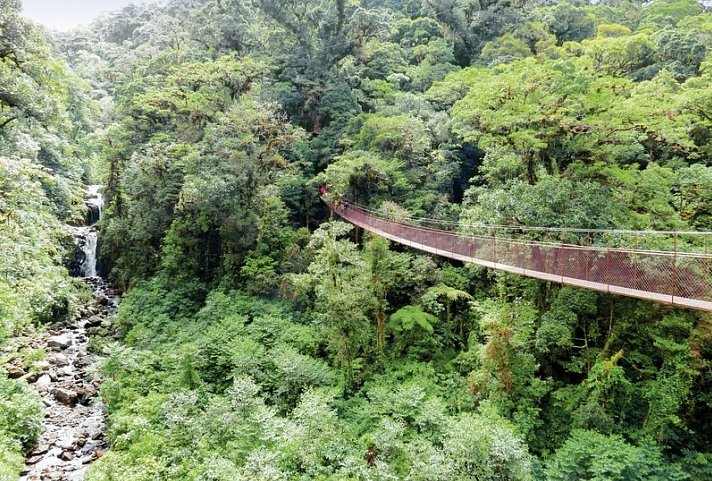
[(11, 460), (588, 455), (21, 412)]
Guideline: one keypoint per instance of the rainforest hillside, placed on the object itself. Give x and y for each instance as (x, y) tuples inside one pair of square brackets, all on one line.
[(260, 337)]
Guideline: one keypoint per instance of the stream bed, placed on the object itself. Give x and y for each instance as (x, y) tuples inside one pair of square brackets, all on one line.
[(67, 380), (72, 431)]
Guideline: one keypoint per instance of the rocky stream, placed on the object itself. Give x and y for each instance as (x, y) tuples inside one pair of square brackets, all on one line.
[(67, 380)]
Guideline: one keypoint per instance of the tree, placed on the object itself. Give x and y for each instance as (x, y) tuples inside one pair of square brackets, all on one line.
[(588, 455), (339, 279)]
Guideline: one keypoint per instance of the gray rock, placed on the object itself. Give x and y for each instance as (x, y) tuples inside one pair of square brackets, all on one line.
[(59, 342), (94, 321), (66, 371), (83, 361), (66, 456), (85, 395), (65, 396), (41, 449), (42, 365), (59, 360), (44, 382)]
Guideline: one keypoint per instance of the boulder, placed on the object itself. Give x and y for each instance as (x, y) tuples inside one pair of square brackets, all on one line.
[(83, 361), (40, 449), (59, 360), (66, 371), (59, 342), (42, 365), (65, 396), (66, 456), (44, 382), (85, 395), (14, 372)]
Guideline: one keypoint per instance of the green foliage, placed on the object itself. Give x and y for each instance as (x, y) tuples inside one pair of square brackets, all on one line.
[(20, 419), (593, 456), (34, 287), (484, 447), (11, 460), (257, 340), (407, 317)]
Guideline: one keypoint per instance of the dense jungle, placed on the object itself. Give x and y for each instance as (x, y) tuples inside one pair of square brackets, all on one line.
[(259, 336)]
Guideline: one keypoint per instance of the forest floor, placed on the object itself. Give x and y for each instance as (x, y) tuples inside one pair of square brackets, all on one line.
[(73, 428)]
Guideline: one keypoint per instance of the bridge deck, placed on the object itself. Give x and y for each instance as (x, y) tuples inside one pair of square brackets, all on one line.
[(676, 278)]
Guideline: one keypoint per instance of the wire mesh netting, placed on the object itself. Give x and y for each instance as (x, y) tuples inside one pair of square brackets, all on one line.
[(670, 267)]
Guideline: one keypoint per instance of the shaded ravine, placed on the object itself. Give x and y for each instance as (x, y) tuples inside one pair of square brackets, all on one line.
[(73, 428)]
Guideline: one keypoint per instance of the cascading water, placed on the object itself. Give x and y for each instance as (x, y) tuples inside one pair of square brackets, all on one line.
[(88, 268), (72, 430), (88, 235)]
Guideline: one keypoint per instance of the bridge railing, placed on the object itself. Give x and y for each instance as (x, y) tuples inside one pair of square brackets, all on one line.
[(676, 270)]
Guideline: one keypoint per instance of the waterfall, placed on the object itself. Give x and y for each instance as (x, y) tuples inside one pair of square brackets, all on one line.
[(95, 204), (88, 268), (89, 234)]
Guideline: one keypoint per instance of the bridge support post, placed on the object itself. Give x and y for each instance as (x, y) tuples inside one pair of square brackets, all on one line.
[(708, 285), (635, 263), (675, 277)]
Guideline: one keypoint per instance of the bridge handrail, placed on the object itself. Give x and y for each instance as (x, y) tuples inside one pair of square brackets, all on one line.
[(676, 249), (529, 228), (672, 277)]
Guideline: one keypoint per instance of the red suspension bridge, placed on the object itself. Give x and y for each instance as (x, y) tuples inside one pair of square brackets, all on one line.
[(669, 267)]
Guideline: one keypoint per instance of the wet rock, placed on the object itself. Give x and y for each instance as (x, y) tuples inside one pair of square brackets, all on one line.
[(94, 321), (85, 395), (44, 382), (41, 449), (67, 371), (14, 372), (59, 360), (41, 365), (66, 456), (65, 396), (103, 301), (83, 361), (34, 459), (67, 444), (60, 342)]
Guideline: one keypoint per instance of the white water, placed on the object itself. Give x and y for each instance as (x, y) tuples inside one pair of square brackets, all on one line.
[(95, 204), (94, 199), (89, 264)]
